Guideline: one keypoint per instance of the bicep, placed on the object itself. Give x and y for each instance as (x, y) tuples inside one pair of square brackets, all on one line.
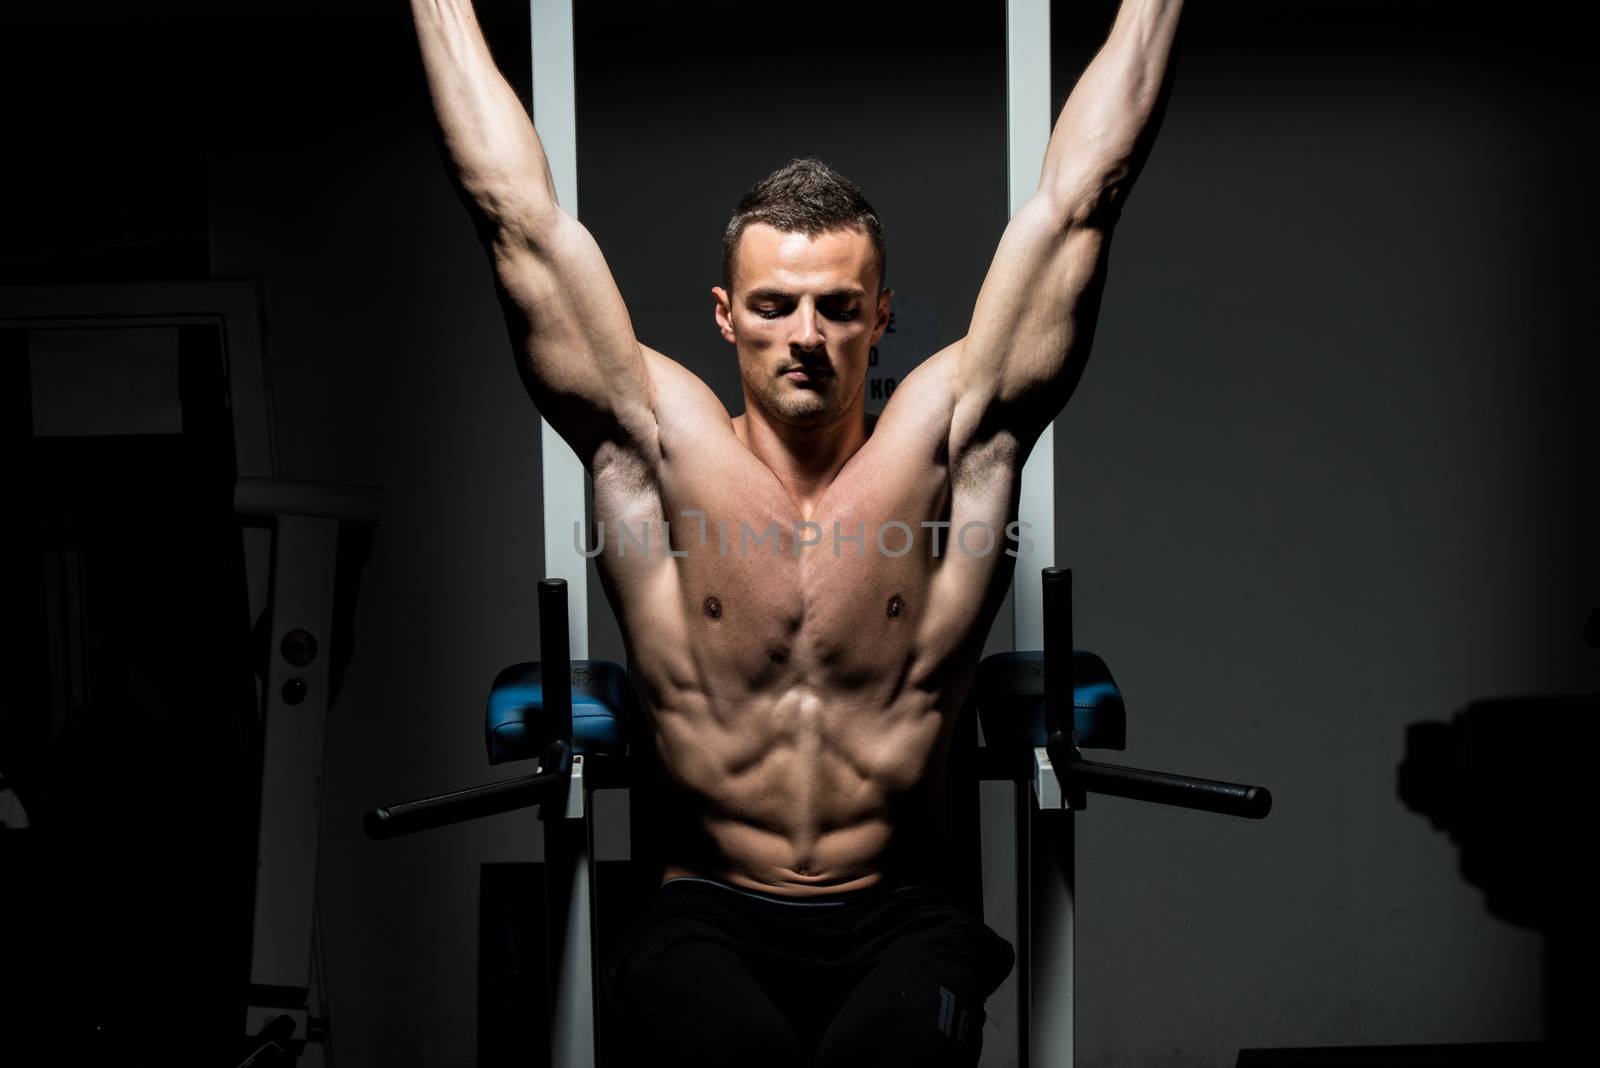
[(574, 341), (1034, 320)]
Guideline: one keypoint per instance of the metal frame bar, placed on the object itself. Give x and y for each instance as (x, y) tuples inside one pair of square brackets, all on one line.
[(569, 875), (1045, 876), (281, 933), (563, 478), (284, 970), (569, 846), (1027, 134)]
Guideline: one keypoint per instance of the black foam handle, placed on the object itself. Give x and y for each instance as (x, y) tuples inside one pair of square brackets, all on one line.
[(407, 817), (555, 657), (1161, 788), (1059, 685)]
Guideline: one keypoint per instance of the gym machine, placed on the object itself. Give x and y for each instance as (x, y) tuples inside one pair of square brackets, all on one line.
[(286, 1014), (1038, 710)]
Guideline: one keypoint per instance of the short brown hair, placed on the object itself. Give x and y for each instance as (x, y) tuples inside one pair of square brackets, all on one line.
[(805, 196)]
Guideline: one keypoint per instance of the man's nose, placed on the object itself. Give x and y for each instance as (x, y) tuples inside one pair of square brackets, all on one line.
[(806, 337)]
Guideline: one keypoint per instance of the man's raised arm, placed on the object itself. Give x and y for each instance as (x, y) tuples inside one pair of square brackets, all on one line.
[(1035, 316), (576, 348)]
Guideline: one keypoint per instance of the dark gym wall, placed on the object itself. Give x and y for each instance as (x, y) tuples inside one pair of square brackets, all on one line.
[(1322, 481), (1329, 472)]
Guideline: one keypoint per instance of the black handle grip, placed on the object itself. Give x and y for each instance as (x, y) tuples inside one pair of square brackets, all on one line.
[(1228, 798), (1059, 686), (555, 657), (407, 817)]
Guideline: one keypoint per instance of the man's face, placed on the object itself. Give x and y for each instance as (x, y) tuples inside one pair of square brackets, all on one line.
[(804, 314)]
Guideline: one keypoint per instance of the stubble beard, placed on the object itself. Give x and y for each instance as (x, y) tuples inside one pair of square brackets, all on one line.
[(811, 405), (804, 407)]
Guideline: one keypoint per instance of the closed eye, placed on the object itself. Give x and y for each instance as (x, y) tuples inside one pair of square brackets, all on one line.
[(840, 313)]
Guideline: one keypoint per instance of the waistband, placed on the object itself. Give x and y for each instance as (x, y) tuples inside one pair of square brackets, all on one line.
[(812, 901)]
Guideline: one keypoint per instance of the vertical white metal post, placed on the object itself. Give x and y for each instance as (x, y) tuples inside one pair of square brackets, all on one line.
[(563, 480), (1027, 134), (555, 117), (1047, 877)]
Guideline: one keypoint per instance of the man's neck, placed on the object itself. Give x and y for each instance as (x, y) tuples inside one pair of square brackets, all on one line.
[(805, 459)]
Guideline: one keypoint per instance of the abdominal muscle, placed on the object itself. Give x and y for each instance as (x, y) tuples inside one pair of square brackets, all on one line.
[(794, 793)]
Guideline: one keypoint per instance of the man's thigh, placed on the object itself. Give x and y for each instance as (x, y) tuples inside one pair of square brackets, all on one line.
[(683, 994), (921, 1000)]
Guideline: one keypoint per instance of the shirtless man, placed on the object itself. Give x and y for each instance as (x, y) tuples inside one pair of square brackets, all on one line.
[(800, 668)]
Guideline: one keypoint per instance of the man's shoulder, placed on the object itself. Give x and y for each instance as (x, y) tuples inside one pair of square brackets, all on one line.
[(678, 394), (692, 426), (923, 402), (680, 408)]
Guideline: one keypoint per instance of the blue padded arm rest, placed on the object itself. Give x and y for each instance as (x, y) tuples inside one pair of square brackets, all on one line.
[(1009, 693), (517, 728)]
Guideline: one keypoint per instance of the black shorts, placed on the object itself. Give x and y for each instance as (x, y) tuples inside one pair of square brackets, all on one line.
[(717, 975)]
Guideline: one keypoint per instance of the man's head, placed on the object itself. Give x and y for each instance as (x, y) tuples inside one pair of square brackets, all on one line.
[(802, 293)]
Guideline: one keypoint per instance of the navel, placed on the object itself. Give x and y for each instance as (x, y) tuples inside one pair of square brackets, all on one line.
[(712, 607), (895, 607)]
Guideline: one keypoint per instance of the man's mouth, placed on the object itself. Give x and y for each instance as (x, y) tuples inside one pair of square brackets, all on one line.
[(807, 372)]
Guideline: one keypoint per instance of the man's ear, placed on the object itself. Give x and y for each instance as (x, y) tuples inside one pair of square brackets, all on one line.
[(882, 325), (724, 313)]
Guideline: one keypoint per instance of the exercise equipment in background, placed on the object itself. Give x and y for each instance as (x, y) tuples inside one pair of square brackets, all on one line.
[(1038, 710), (286, 1013)]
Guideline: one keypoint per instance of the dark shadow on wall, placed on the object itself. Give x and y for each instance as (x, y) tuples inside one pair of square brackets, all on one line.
[(1508, 780)]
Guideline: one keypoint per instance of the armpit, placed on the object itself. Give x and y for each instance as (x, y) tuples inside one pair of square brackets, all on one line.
[(984, 464)]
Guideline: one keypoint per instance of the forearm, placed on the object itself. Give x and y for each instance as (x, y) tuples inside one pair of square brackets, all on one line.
[(491, 143), (1105, 130)]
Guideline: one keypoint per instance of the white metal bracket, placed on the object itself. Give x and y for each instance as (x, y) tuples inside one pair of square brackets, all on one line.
[(1046, 784), (575, 796)]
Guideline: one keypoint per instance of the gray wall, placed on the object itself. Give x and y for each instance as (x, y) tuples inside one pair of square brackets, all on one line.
[(1322, 482), (1322, 478)]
